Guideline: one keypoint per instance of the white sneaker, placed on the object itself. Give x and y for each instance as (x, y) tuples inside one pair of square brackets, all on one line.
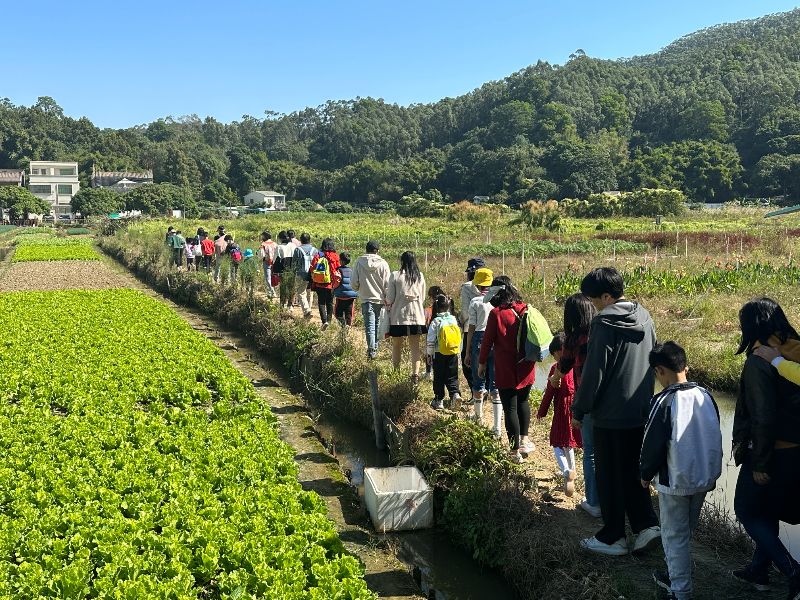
[(517, 458), (618, 548), (646, 537), (593, 511), (527, 447)]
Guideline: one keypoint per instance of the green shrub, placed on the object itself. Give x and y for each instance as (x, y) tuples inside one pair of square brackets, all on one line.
[(641, 203), (540, 215)]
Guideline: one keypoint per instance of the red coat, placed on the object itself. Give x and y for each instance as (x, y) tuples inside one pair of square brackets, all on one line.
[(562, 433), (501, 335), (333, 260)]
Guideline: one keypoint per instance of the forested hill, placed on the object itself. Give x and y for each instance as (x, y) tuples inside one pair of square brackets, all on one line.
[(716, 113)]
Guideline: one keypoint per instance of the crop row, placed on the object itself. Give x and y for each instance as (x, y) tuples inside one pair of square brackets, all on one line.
[(647, 281), (45, 251), (138, 463)]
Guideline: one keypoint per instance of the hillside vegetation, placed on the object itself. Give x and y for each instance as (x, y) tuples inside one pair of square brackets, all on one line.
[(714, 114)]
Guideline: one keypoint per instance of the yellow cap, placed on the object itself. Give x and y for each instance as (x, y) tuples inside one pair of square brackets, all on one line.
[(483, 277)]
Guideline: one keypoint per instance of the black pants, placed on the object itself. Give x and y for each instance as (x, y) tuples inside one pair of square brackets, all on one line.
[(616, 466), (445, 375), (325, 304), (465, 369), (344, 310), (207, 260), (517, 410)]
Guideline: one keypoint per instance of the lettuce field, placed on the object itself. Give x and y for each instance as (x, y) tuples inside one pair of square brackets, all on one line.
[(139, 463), (36, 247)]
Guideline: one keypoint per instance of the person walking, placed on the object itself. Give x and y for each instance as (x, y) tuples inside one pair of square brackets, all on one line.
[(233, 250), (443, 344), (616, 386), (178, 245), (303, 255), (343, 291), (467, 293), (682, 451), (220, 249), (284, 267), (578, 315), (207, 246), (405, 296), (477, 318), (513, 375), (564, 438), (370, 279), (766, 443), (267, 253), (324, 264)]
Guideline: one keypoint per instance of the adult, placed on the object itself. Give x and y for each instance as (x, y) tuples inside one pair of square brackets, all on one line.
[(297, 243), (370, 278), (220, 249), (267, 253), (303, 255), (578, 315), (617, 384), (513, 375), (469, 291), (405, 296), (170, 233), (323, 266), (284, 266), (766, 443), (178, 245), (478, 317)]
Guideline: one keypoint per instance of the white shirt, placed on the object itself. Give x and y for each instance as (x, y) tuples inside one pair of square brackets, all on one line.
[(478, 313)]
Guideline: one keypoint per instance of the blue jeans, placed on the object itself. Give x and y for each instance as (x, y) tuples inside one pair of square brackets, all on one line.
[(268, 280), (478, 384), (371, 311), (755, 504), (589, 480)]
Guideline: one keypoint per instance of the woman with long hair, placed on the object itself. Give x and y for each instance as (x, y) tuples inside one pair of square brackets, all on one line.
[(513, 375), (405, 296), (766, 443), (323, 266), (578, 314)]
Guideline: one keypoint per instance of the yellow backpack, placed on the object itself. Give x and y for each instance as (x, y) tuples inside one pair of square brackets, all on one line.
[(449, 336)]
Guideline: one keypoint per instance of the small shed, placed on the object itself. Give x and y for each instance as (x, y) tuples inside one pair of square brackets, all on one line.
[(272, 200)]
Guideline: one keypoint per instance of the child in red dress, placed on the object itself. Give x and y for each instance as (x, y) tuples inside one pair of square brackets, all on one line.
[(564, 438)]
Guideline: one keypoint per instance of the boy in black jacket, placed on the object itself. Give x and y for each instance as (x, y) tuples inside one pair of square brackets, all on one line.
[(616, 386), (682, 448)]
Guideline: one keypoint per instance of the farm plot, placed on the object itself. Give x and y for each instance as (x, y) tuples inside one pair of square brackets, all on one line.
[(53, 249), (59, 275), (140, 464)]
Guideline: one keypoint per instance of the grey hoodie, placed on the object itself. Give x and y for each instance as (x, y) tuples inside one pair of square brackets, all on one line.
[(370, 278), (617, 382)]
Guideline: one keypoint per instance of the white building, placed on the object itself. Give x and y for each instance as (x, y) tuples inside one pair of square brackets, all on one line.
[(56, 182), (271, 200)]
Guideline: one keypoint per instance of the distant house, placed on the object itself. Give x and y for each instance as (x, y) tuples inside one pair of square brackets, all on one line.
[(480, 199), (15, 177), (271, 200), (120, 181), (56, 182)]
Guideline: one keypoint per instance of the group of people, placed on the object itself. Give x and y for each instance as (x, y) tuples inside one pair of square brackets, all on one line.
[(601, 387)]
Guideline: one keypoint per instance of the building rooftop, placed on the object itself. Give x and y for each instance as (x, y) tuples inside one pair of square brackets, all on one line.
[(11, 175), (266, 192)]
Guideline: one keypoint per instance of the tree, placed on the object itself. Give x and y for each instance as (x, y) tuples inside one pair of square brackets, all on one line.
[(247, 169), (157, 198), (219, 194), (21, 203), (778, 175), (97, 201)]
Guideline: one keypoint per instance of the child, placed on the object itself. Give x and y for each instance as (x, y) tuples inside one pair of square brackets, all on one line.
[(198, 254), (343, 292), (189, 249), (235, 252), (207, 246), (477, 318), (443, 345), (564, 438), (682, 447), (433, 292)]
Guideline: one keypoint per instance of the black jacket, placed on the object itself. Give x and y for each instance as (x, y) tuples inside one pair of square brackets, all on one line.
[(617, 382), (767, 409)]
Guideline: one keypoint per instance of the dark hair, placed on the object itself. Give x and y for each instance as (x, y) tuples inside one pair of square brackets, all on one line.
[(265, 235), (229, 238), (179, 232), (760, 319), (508, 295), (344, 258), (603, 280), (328, 245), (373, 247), (578, 314), (441, 304), (283, 237), (304, 238), (170, 228), (221, 228), (434, 291), (408, 265), (290, 233), (668, 355), (558, 342)]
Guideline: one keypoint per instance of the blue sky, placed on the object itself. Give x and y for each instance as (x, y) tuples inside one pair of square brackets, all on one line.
[(123, 63)]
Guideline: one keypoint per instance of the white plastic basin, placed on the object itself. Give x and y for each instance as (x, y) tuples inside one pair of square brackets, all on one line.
[(398, 498)]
